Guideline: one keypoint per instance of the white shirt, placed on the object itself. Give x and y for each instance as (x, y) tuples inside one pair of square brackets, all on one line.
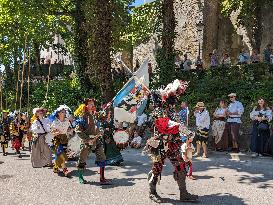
[(187, 64), (62, 127), (37, 128), (187, 151), (266, 113), (141, 119), (137, 140), (202, 119), (220, 111), (238, 107)]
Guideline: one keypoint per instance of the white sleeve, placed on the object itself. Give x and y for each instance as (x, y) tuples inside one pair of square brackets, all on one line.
[(253, 114), (240, 108), (35, 128), (269, 115)]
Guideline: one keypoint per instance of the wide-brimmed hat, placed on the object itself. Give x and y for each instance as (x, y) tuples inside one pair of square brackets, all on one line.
[(232, 95), (200, 105), (37, 109)]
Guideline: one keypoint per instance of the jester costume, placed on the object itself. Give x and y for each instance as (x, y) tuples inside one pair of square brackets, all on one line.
[(89, 133), (5, 131), (164, 145), (166, 142)]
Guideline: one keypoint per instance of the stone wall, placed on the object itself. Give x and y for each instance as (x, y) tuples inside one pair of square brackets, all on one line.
[(220, 33)]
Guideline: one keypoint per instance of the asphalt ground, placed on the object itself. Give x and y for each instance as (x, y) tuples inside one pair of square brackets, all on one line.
[(222, 179)]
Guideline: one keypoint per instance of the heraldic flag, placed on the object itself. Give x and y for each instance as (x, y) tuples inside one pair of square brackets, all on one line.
[(130, 101)]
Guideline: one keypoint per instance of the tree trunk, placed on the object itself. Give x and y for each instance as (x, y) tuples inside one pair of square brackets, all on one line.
[(81, 44), (169, 23), (257, 27), (102, 47)]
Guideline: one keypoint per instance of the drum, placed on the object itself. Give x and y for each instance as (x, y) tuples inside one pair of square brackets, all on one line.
[(121, 138)]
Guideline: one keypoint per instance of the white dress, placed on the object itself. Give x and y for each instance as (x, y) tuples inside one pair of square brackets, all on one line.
[(218, 126)]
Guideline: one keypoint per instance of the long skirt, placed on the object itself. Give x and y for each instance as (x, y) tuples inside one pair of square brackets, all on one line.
[(259, 139), (59, 150), (218, 129), (269, 146), (41, 155)]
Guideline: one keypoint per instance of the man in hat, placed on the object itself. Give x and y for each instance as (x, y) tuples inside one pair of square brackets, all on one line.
[(89, 133), (5, 130), (234, 112), (202, 124)]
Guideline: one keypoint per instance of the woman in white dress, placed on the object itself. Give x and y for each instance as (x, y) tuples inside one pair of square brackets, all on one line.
[(218, 127), (41, 155)]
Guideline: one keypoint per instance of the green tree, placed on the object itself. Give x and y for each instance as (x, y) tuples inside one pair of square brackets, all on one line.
[(250, 16)]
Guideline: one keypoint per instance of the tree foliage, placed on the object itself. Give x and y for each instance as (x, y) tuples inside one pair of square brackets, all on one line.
[(250, 16)]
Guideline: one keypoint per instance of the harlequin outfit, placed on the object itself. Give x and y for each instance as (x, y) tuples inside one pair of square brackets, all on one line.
[(89, 133), (166, 144), (113, 155), (60, 141), (17, 132), (5, 132), (41, 154)]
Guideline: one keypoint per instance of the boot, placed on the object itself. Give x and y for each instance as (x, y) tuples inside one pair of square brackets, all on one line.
[(80, 174), (180, 178), (152, 185), (4, 150)]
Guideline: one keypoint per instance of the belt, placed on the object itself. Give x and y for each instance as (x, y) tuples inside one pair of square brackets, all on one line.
[(234, 117)]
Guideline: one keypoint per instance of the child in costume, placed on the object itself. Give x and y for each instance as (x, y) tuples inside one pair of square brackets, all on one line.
[(187, 150), (136, 142)]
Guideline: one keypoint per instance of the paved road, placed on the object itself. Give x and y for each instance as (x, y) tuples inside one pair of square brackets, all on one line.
[(222, 180)]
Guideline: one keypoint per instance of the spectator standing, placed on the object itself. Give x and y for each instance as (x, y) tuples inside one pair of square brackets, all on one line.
[(199, 64), (184, 113), (261, 115), (255, 58), (243, 57), (213, 60), (226, 61), (187, 63), (234, 112), (202, 123), (271, 57), (267, 53), (218, 127)]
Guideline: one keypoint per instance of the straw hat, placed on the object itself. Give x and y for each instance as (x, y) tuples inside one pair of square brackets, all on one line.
[(200, 105), (37, 109), (232, 95)]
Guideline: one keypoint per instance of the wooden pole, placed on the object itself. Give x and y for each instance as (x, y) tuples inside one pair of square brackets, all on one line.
[(23, 71), (48, 80), (17, 86), (28, 82)]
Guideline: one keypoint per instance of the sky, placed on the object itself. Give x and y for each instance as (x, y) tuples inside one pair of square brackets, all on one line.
[(139, 2)]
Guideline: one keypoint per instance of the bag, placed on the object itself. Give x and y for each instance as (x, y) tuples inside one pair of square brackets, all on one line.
[(263, 126)]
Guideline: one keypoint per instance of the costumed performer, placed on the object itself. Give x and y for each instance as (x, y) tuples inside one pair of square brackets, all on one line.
[(89, 133), (60, 129), (17, 132), (5, 127), (113, 155), (41, 155)]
